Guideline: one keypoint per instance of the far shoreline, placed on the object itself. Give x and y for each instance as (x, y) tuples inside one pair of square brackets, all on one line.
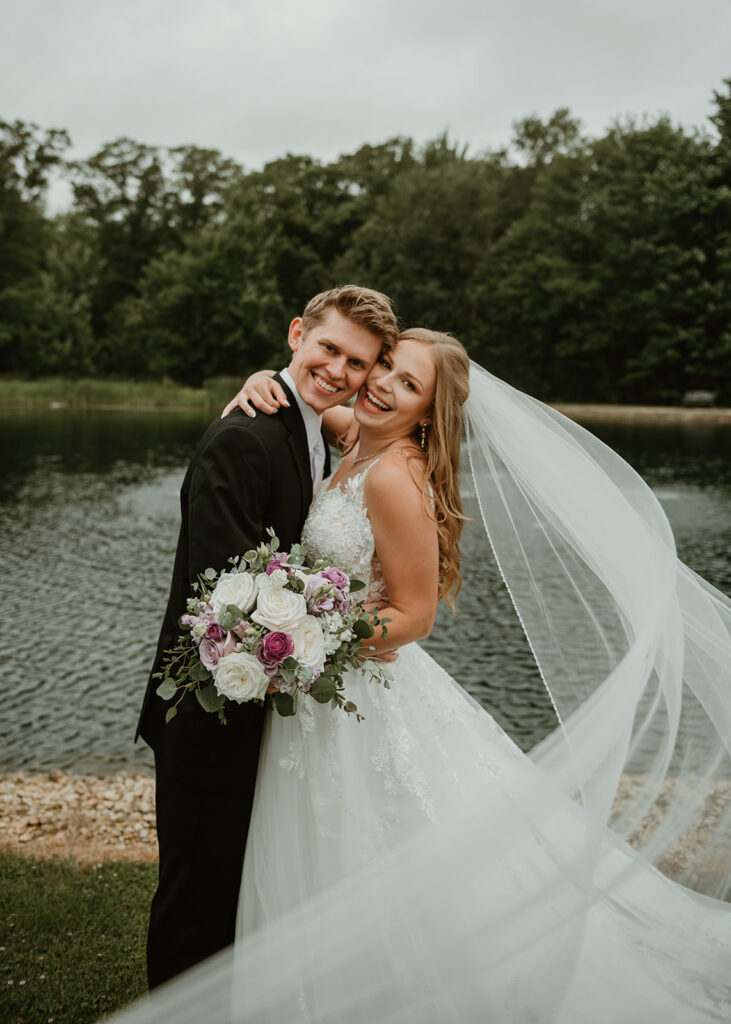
[(61, 394)]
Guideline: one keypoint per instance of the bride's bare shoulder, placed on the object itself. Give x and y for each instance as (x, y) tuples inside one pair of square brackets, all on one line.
[(397, 481)]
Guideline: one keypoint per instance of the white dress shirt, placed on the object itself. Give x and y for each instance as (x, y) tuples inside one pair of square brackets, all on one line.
[(313, 427)]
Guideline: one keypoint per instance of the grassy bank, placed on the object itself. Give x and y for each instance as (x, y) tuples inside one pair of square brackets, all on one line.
[(115, 394), (73, 939), (120, 394)]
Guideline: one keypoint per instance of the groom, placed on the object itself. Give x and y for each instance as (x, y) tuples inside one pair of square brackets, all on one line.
[(246, 474)]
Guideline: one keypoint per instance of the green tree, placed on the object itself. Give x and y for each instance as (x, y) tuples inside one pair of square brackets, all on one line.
[(28, 155), (425, 238)]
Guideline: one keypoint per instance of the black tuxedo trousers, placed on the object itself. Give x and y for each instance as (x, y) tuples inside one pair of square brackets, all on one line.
[(246, 475)]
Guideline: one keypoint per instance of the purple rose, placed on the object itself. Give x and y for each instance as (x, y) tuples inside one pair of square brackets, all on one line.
[(215, 632), (278, 562), (275, 647), (241, 628), (337, 577)]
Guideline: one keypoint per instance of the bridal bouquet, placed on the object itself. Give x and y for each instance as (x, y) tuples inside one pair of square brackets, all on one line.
[(271, 621)]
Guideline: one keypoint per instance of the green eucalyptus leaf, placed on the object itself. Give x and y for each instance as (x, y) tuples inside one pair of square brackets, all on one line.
[(210, 574), (356, 585), (199, 672), (209, 698), (323, 689), (170, 714), (362, 629), (167, 689), (284, 703)]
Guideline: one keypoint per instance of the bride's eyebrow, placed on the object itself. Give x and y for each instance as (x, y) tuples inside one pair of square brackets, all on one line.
[(412, 378)]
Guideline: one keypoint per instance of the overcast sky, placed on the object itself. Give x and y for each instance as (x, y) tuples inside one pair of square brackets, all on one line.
[(260, 78)]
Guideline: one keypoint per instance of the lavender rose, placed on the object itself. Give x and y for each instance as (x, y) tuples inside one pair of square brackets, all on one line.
[(321, 595), (210, 652), (337, 577), (212, 649)]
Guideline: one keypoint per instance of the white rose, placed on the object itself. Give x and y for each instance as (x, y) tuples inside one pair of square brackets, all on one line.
[(275, 579), (238, 588), (279, 609), (240, 677), (309, 642)]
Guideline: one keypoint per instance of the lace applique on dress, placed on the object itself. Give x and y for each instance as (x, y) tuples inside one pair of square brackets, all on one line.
[(338, 526)]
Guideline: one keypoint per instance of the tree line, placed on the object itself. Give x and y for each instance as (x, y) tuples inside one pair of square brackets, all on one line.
[(586, 269)]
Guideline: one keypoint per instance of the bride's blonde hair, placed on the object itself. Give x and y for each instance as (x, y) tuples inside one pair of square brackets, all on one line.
[(441, 455), (442, 450)]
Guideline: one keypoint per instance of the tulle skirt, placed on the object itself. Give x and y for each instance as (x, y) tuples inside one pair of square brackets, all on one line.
[(416, 866)]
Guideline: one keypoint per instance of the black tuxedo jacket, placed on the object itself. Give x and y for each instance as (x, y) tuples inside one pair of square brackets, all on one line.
[(246, 474)]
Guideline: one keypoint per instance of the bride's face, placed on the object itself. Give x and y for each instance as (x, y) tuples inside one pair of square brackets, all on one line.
[(399, 392)]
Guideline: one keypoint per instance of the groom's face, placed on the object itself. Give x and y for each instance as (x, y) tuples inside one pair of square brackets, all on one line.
[(332, 360)]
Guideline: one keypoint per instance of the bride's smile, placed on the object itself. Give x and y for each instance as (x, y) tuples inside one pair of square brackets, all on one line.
[(399, 392)]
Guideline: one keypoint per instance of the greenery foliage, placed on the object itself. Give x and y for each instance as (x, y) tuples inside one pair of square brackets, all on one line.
[(584, 269), (73, 945)]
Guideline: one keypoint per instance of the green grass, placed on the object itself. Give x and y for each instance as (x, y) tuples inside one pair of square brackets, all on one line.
[(72, 939), (86, 393)]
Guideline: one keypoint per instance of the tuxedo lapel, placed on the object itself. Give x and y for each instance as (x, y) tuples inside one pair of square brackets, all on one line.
[(326, 467), (297, 438)]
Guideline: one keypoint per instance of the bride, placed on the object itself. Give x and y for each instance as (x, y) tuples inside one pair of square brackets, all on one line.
[(416, 866)]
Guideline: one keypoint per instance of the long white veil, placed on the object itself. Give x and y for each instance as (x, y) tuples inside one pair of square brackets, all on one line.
[(633, 647), (635, 652)]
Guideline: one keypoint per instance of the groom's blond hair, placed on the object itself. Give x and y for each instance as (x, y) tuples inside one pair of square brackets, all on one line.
[(364, 306)]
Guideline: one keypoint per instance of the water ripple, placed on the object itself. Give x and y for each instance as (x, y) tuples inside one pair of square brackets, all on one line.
[(89, 514)]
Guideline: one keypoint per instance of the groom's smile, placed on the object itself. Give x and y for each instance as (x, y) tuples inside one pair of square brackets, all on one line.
[(332, 360)]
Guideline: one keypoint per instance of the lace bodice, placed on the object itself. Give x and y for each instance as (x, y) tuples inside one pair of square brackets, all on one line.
[(338, 526)]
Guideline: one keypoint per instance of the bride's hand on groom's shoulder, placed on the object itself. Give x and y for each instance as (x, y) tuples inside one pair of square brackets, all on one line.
[(259, 390)]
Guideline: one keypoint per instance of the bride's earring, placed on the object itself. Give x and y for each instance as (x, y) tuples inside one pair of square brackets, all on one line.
[(422, 439)]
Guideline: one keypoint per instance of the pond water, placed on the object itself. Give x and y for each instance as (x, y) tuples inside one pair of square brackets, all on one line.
[(89, 512)]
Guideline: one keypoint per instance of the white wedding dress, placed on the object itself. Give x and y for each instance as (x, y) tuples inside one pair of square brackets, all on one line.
[(417, 868), (511, 929)]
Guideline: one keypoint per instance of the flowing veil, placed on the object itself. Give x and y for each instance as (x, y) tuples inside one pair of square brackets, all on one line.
[(622, 815)]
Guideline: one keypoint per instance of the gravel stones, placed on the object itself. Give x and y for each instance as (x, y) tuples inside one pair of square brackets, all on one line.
[(84, 817)]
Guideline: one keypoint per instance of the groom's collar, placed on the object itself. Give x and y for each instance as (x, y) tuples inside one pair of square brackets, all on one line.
[(312, 421)]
